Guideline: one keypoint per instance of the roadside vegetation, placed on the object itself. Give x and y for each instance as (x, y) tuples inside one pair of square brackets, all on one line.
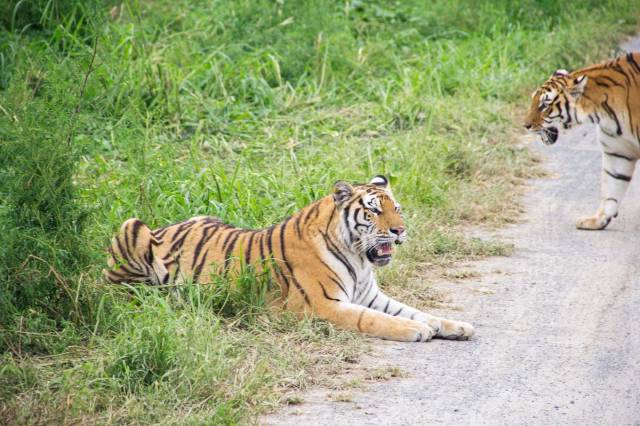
[(246, 110)]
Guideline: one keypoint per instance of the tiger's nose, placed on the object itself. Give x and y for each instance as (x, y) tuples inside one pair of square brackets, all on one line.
[(398, 230), (527, 126)]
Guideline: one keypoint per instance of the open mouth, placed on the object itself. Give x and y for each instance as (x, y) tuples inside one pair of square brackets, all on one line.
[(549, 135), (380, 255)]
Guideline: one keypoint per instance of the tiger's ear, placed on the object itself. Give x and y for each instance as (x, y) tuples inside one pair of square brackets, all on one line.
[(380, 181), (342, 192), (559, 73), (578, 84)]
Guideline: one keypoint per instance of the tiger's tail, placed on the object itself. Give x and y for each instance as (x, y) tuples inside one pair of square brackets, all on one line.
[(132, 256)]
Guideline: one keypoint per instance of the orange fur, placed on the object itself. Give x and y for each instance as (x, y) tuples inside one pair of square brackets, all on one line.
[(607, 95), (321, 257)]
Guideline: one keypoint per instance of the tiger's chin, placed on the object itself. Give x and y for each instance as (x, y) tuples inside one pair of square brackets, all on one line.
[(380, 255)]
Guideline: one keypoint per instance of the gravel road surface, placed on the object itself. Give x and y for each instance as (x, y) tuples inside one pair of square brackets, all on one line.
[(557, 323)]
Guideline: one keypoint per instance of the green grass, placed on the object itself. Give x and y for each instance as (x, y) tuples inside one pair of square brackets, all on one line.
[(246, 110)]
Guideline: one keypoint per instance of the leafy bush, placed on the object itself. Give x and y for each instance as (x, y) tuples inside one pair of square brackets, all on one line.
[(41, 220)]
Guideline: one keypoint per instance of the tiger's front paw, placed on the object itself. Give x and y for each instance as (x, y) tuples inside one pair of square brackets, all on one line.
[(422, 332), (455, 330), (593, 223)]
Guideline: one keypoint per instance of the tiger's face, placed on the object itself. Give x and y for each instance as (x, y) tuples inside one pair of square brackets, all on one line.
[(372, 218), (553, 106)]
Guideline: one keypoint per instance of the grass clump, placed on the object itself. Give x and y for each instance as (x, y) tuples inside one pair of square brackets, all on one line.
[(170, 358), (246, 110), (41, 218)]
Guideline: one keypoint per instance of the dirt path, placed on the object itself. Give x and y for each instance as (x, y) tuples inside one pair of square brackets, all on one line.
[(557, 323)]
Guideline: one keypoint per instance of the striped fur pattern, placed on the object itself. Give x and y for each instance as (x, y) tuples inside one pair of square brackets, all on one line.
[(322, 258), (607, 95)]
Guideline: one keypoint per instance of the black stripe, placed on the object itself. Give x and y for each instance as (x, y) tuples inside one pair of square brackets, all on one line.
[(297, 223), (611, 135), (270, 241), (175, 245), (204, 239), (126, 238), (618, 176), (355, 219), (125, 255), (387, 306), (324, 291), (275, 264), (633, 62), (624, 157), (131, 272), (115, 279), (149, 253), (616, 67), (367, 289), (399, 310), (336, 253), (159, 233), (339, 284), (334, 277), (116, 274), (613, 115), (345, 218), (230, 235), (169, 262), (198, 270), (609, 79), (182, 227), (314, 210), (373, 300), (177, 271), (135, 231), (196, 251), (333, 212), (283, 228), (261, 243), (229, 252), (566, 108), (249, 249)]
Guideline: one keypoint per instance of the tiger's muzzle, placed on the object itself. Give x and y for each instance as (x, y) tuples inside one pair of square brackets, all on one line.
[(381, 253)]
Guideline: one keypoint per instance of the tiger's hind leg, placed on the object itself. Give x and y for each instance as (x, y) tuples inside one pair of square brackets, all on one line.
[(132, 256), (617, 171)]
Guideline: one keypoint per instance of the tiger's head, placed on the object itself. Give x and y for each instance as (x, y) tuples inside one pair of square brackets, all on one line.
[(553, 105), (371, 217)]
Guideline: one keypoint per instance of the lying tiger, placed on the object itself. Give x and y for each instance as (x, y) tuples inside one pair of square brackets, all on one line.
[(608, 95), (322, 258)]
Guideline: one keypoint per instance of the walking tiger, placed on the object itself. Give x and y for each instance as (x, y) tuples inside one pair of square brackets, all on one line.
[(607, 95)]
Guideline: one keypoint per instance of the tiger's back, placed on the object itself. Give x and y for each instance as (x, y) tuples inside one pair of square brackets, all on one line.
[(195, 249)]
